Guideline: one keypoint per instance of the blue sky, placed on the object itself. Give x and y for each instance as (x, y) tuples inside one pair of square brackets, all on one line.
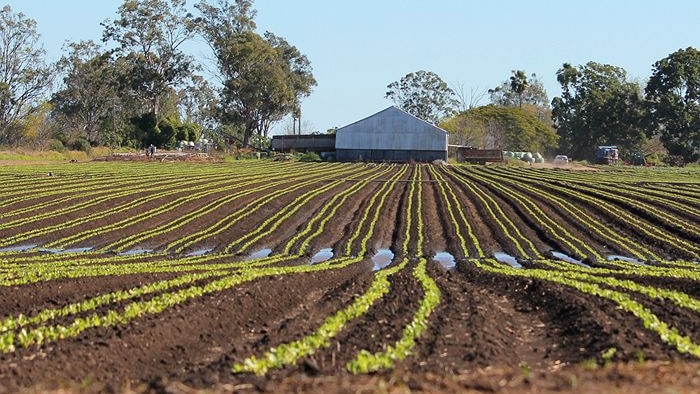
[(357, 47)]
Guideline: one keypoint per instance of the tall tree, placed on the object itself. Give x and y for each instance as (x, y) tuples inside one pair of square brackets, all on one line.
[(673, 96), (225, 19), (519, 84), (197, 103), (263, 78), (90, 91), (424, 95), (467, 100), (598, 106), (149, 33), (523, 92), (24, 76)]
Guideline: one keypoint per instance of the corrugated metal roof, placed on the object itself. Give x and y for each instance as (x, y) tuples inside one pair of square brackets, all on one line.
[(391, 129)]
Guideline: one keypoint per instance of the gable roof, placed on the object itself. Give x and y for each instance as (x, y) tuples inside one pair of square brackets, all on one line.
[(393, 111), (391, 129)]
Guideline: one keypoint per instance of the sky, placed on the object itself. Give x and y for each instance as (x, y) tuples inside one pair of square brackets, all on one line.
[(358, 47)]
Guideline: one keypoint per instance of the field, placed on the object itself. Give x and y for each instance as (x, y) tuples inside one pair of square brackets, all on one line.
[(282, 276)]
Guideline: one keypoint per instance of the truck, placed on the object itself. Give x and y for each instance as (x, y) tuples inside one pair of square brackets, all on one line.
[(607, 154), (468, 154)]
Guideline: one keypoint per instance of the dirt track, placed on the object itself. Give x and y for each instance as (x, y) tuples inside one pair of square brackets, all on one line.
[(490, 332)]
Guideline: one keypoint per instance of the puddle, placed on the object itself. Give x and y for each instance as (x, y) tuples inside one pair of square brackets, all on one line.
[(508, 259), (260, 254), (50, 250), (77, 250), (382, 259), (20, 248), (199, 252), (60, 251), (135, 251), (627, 259), (323, 255), (446, 259), (569, 259)]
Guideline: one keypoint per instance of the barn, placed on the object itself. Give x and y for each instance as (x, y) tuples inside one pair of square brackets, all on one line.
[(391, 135)]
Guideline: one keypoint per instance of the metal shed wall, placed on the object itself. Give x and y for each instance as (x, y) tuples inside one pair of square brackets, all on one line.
[(391, 135), (304, 143), (389, 155)]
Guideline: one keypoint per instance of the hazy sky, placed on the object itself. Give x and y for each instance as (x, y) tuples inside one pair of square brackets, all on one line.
[(357, 47)]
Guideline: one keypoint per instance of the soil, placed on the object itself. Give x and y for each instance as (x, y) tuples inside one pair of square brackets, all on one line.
[(489, 333)]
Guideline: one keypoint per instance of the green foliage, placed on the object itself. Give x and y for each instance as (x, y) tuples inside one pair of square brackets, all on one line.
[(310, 157), (90, 93), (424, 95), (24, 78), (149, 34), (80, 144), (598, 106), (55, 145), (264, 78), (188, 132), (673, 96), (163, 133), (518, 90), (508, 128)]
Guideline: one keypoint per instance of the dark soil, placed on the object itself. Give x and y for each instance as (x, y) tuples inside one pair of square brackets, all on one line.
[(489, 333)]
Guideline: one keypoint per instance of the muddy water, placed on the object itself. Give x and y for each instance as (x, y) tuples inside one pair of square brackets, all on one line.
[(199, 252), (382, 259), (446, 259), (508, 259), (260, 254), (627, 259), (20, 248), (322, 255), (70, 250), (569, 259), (135, 251)]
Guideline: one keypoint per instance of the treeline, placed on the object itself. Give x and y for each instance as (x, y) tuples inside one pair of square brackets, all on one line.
[(599, 105), (138, 87)]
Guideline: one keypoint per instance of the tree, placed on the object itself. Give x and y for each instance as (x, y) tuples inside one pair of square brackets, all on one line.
[(221, 22), (90, 91), (263, 78), (467, 100), (464, 130), (24, 77), (523, 92), (149, 34), (673, 97), (598, 106), (424, 95), (197, 103), (496, 127)]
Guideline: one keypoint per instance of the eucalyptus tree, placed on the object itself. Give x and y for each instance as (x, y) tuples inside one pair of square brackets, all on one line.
[(89, 95), (263, 78), (598, 106), (25, 78), (149, 34), (673, 97), (424, 95), (520, 89)]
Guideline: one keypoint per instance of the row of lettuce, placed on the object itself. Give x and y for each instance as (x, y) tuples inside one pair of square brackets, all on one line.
[(549, 201)]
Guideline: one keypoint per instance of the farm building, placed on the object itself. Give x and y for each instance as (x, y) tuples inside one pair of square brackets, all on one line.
[(391, 135)]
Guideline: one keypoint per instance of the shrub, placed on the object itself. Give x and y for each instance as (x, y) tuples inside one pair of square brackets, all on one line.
[(310, 156), (55, 145), (80, 144)]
